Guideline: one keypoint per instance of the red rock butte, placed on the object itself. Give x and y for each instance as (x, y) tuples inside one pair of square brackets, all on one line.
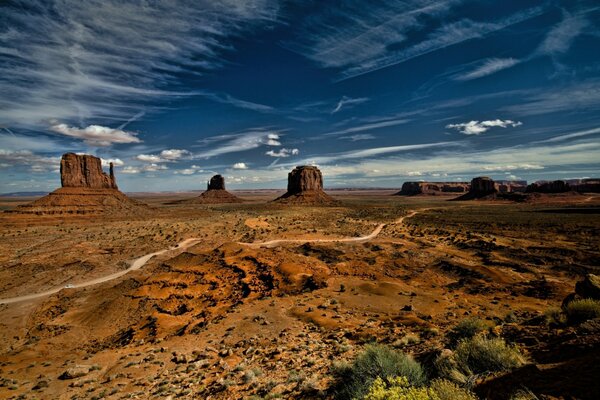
[(305, 186), (215, 194), (86, 189)]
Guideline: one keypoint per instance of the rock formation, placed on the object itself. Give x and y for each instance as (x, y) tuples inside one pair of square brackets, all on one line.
[(85, 171), (215, 194), (481, 187), (549, 187), (305, 186), (217, 182), (86, 189), (432, 188)]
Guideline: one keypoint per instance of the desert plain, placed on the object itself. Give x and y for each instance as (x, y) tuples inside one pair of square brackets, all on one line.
[(261, 299)]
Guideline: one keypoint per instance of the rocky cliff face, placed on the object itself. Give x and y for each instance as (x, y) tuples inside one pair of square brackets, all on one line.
[(482, 186), (217, 182), (304, 178), (305, 186), (85, 171)]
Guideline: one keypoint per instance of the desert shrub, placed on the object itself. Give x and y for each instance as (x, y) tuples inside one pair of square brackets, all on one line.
[(447, 367), (582, 310), (524, 394), (353, 380), (481, 354), (446, 390), (466, 329), (554, 316), (398, 388)]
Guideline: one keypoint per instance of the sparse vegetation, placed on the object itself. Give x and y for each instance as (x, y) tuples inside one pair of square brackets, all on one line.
[(481, 354), (582, 310), (354, 381), (467, 329)]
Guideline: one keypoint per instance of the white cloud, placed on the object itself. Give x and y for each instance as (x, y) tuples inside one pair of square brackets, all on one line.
[(186, 171), (174, 154), (283, 152), (154, 167), (96, 135), (488, 67), (151, 158), (117, 162), (238, 142), (35, 162), (477, 127), (356, 138), (240, 165), (130, 170)]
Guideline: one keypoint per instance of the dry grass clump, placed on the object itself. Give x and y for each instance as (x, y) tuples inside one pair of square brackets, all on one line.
[(582, 310)]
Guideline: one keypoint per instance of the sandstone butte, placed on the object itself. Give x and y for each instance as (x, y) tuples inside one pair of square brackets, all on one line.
[(215, 194), (305, 186), (86, 189), (481, 187)]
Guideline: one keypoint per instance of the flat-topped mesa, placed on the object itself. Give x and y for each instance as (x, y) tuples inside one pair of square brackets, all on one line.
[(217, 182), (85, 171), (432, 188), (481, 187), (549, 187), (305, 186)]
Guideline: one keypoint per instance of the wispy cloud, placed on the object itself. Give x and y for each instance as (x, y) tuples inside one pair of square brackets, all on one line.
[(76, 61), (238, 142), (479, 127), (487, 67), (282, 153), (561, 36), (360, 136), (367, 127), (96, 135), (568, 136), (348, 102)]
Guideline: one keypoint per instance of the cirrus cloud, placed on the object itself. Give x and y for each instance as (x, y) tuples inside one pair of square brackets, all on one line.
[(479, 127)]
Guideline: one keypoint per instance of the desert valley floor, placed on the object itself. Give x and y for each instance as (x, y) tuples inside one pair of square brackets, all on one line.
[(261, 299)]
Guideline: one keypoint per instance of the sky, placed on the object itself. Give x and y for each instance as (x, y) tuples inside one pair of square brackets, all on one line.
[(375, 93)]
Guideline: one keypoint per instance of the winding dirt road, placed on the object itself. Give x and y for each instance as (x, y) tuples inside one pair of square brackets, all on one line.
[(135, 265), (141, 261), (360, 239)]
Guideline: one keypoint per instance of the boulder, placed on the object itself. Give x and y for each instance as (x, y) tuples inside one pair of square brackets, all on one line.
[(75, 372), (305, 186), (85, 171), (589, 287)]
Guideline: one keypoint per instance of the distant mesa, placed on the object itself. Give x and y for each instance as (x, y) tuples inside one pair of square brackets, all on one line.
[(215, 194), (433, 188), (305, 186), (549, 187), (481, 187), (86, 189)]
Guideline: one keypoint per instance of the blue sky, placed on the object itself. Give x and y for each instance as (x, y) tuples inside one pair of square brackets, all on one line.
[(374, 93)]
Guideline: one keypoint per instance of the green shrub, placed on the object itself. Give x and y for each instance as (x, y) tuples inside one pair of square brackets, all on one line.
[(398, 388), (554, 316), (582, 310), (466, 329), (447, 390), (353, 381), (480, 354)]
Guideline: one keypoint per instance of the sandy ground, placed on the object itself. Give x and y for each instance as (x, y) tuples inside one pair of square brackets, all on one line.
[(270, 296)]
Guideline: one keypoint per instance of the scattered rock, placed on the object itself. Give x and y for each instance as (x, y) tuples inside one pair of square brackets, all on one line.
[(589, 287), (75, 372)]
